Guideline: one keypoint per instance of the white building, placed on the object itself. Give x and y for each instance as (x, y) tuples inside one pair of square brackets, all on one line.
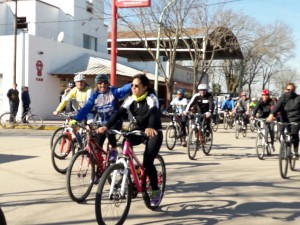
[(58, 33)]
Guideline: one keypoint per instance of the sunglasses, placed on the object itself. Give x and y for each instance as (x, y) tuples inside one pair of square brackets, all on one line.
[(202, 89), (290, 90), (102, 82), (134, 85)]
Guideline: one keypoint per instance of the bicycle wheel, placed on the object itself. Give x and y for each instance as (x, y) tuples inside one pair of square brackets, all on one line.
[(284, 159), (225, 122), (113, 208), (292, 161), (207, 142), (62, 152), (252, 126), (193, 143), (80, 176), (237, 130), (35, 122), (244, 131), (7, 121), (57, 133), (216, 124), (276, 132), (171, 135), (260, 146), (160, 167), (2, 218)]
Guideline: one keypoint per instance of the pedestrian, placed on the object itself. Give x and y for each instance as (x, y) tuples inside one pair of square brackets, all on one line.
[(25, 102), (14, 100)]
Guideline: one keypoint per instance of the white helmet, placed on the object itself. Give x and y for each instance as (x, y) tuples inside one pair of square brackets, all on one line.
[(202, 87), (79, 77)]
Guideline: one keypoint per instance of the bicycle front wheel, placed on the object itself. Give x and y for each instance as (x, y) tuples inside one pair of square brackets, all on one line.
[(57, 133), (193, 143), (160, 167), (62, 152), (171, 135), (80, 175), (260, 146), (237, 130), (7, 120), (207, 142), (225, 122), (111, 205), (35, 122), (215, 126), (284, 159)]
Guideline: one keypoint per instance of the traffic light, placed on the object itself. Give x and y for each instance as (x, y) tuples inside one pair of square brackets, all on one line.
[(21, 23)]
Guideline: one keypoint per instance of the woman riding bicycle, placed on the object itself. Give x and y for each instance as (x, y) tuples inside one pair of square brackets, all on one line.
[(179, 104), (264, 108), (143, 105), (289, 107)]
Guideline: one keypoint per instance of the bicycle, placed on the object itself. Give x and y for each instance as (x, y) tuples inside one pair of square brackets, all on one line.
[(240, 127), (123, 181), (85, 165), (60, 130), (200, 134), (174, 131), (286, 152), (215, 121), (65, 147), (263, 142), (10, 120), (228, 121)]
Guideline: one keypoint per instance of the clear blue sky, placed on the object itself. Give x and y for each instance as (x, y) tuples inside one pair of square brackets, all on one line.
[(270, 11)]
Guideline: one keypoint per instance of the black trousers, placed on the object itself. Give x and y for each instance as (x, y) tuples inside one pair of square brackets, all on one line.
[(24, 113), (14, 107), (111, 137), (152, 148)]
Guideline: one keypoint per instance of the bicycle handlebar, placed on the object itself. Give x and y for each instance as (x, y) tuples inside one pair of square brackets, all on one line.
[(127, 133)]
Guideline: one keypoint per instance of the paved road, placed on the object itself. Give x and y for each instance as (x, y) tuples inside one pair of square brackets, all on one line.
[(231, 186)]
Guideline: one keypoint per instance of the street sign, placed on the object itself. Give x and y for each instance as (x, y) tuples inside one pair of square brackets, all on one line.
[(132, 3)]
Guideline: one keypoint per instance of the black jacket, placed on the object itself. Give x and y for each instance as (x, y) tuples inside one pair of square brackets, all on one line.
[(264, 108), (25, 98), (145, 112), (204, 103), (289, 107)]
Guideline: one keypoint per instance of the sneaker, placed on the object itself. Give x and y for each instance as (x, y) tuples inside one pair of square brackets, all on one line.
[(96, 178), (155, 197), (296, 156), (272, 148), (113, 155), (184, 144)]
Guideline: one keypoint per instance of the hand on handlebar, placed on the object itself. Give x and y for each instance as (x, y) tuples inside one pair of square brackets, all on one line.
[(55, 113), (150, 132), (101, 130)]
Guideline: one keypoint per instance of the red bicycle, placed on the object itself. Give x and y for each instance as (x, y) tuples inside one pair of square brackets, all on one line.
[(86, 167), (123, 181)]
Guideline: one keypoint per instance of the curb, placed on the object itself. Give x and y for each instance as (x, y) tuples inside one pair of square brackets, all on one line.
[(44, 127)]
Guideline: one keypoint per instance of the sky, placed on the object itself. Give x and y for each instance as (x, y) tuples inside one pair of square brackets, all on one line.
[(270, 11)]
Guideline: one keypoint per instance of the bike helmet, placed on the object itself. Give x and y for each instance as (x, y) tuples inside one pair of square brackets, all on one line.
[(265, 92), (101, 77), (202, 87), (180, 90), (71, 84), (253, 99), (79, 77)]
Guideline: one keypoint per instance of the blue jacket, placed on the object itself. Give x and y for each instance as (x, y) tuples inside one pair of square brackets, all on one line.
[(105, 104), (229, 105)]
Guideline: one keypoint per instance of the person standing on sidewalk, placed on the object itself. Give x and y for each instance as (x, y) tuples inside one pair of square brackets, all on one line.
[(14, 100), (25, 102)]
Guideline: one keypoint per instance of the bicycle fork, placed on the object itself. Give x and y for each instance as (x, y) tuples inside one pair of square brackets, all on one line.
[(114, 178)]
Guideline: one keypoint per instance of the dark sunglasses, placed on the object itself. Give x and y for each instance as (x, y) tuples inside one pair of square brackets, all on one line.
[(290, 90), (135, 85), (104, 82)]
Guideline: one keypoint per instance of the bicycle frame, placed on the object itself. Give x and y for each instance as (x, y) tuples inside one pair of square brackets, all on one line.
[(199, 125)]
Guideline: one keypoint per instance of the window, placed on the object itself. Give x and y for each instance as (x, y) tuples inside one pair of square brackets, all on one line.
[(89, 42), (89, 6)]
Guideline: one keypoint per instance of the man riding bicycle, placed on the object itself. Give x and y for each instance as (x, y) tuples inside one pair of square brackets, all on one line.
[(179, 104), (264, 108), (289, 107), (242, 108), (203, 100)]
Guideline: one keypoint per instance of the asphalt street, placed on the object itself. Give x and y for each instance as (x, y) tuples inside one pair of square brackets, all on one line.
[(230, 186)]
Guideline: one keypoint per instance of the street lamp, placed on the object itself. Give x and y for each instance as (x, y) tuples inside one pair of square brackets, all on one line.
[(158, 46)]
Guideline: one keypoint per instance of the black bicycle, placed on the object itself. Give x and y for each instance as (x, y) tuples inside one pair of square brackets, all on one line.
[(228, 120), (286, 151), (240, 126)]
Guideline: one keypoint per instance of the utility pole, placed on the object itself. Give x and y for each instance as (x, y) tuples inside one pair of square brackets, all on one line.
[(15, 43)]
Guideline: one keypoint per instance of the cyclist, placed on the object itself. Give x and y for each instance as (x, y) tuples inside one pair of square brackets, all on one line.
[(78, 95), (289, 107), (179, 104), (203, 100), (104, 101), (242, 108), (143, 105), (253, 103), (265, 106), (228, 104)]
